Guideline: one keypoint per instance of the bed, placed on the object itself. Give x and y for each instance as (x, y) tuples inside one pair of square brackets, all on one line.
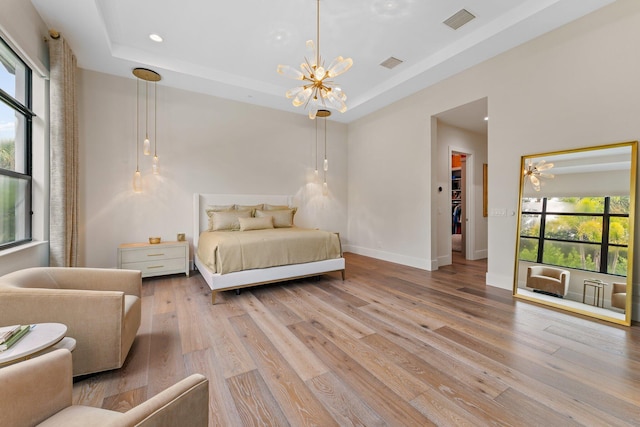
[(252, 269)]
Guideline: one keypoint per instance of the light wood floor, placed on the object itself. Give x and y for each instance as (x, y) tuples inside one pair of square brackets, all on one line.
[(391, 345)]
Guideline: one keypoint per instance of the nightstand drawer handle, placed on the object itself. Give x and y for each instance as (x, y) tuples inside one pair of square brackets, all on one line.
[(155, 266), (155, 254)]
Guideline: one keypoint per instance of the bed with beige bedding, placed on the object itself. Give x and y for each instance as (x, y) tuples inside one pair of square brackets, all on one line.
[(242, 240)]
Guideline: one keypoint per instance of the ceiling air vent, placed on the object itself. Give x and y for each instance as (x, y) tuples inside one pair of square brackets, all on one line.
[(459, 18), (391, 62)]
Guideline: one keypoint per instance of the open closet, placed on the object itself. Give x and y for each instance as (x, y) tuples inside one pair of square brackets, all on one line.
[(456, 202)]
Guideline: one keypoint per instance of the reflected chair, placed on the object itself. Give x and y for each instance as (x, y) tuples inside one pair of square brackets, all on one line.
[(548, 280), (38, 391), (619, 295)]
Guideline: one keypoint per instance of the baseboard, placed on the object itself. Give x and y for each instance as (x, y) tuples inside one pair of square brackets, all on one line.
[(444, 260), (480, 254), (392, 257)]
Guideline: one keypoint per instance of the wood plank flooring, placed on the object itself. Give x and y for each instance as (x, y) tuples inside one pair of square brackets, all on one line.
[(389, 346)]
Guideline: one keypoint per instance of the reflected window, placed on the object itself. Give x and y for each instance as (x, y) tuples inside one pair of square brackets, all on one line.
[(586, 233)]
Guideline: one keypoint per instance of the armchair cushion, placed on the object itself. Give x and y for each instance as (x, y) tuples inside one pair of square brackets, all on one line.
[(548, 279), (100, 307), (39, 392), (619, 295)]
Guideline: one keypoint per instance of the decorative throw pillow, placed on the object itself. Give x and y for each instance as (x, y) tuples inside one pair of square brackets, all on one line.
[(261, 223), (281, 218), (227, 220), (217, 208), (268, 207), (250, 208)]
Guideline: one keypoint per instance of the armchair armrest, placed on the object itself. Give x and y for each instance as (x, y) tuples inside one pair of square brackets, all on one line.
[(184, 403), (33, 390), (564, 278), (103, 279)]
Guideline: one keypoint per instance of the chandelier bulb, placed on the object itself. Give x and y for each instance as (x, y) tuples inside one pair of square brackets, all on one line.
[(325, 189), (326, 165)]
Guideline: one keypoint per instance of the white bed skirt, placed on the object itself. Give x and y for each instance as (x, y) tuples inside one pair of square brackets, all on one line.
[(240, 279)]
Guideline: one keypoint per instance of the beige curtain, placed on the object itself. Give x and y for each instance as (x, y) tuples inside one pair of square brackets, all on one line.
[(63, 234)]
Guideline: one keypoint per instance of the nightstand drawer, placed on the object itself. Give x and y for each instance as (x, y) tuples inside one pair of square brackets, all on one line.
[(155, 259), (157, 267), (151, 253)]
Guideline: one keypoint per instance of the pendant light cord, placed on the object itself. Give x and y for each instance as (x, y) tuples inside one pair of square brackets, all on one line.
[(137, 123), (318, 34), (146, 111), (155, 119), (325, 149)]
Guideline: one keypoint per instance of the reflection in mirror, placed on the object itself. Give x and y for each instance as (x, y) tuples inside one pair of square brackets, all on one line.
[(575, 230)]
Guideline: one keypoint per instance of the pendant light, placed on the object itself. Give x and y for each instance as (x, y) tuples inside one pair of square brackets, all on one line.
[(325, 166), (147, 76), (146, 145), (155, 166)]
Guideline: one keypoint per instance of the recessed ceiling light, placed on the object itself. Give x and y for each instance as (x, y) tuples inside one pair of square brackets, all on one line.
[(486, 119), (155, 38)]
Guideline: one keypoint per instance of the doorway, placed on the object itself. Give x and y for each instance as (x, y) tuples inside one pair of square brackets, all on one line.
[(462, 149)]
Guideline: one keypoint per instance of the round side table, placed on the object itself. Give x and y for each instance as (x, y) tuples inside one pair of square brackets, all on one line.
[(42, 337)]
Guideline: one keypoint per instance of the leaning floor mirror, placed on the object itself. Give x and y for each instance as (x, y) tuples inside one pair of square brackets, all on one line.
[(574, 248)]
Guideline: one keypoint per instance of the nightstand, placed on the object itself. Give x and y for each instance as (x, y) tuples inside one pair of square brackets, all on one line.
[(155, 259)]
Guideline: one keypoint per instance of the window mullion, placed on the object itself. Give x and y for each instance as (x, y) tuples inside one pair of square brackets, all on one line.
[(543, 221)]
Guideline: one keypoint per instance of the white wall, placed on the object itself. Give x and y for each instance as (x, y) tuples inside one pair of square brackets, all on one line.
[(576, 86), (24, 31), (450, 138), (206, 145)]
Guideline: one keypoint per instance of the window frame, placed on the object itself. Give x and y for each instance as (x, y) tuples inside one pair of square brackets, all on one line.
[(27, 177), (604, 243)]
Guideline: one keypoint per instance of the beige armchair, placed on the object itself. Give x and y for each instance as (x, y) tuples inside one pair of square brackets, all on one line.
[(550, 280), (101, 308), (38, 392), (619, 295)]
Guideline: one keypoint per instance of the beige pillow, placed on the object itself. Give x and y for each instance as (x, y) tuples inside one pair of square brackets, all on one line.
[(262, 223), (281, 218), (216, 208), (227, 220), (268, 207), (251, 208)]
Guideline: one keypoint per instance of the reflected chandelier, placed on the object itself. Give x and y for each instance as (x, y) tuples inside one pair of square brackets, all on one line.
[(318, 91), (535, 172)]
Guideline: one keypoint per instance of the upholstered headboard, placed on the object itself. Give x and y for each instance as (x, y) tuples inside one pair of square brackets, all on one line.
[(201, 201)]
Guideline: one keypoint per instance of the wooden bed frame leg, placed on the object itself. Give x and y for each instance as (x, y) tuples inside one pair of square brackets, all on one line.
[(343, 274), (213, 297)]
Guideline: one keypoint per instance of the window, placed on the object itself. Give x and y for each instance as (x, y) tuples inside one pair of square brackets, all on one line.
[(15, 149), (586, 233)]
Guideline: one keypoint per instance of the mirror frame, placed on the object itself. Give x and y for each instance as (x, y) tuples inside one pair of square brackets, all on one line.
[(632, 203)]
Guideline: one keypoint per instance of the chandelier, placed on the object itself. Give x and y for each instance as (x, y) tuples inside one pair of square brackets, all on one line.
[(317, 91), (535, 172)]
